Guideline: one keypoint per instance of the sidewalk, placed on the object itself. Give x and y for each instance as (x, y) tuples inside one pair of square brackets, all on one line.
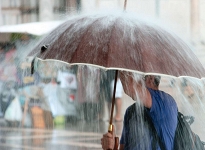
[(3, 122)]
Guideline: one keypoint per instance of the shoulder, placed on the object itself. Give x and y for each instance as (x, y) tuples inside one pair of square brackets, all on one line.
[(159, 96), (130, 108), (160, 93), (168, 100), (167, 96), (130, 113)]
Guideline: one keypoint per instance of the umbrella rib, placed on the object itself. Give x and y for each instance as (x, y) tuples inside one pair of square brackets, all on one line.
[(71, 25), (111, 35), (50, 38), (83, 36), (139, 49), (137, 46)]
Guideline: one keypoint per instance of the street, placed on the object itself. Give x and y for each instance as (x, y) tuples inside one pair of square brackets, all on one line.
[(73, 138), (36, 139), (79, 135)]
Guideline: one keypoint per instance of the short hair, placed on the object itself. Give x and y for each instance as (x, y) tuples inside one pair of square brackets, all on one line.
[(157, 80)]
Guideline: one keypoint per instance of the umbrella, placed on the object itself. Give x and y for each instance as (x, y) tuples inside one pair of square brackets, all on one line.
[(119, 41)]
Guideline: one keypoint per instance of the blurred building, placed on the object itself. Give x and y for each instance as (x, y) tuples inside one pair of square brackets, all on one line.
[(187, 18), (23, 11)]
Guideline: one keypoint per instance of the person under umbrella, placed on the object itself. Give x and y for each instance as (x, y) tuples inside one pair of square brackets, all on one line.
[(161, 108), (118, 41), (118, 99)]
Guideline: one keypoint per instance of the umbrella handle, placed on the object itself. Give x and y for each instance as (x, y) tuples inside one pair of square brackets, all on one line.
[(110, 130)]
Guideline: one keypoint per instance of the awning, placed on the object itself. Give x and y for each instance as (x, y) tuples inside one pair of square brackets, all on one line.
[(34, 28)]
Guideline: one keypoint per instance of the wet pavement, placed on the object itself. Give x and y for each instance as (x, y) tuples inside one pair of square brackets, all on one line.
[(35, 139), (75, 135), (78, 136)]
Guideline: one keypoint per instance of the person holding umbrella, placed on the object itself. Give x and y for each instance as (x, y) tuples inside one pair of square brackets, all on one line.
[(126, 43), (161, 108)]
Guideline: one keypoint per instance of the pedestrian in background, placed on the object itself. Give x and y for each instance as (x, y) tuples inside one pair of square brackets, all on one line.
[(118, 99), (105, 95)]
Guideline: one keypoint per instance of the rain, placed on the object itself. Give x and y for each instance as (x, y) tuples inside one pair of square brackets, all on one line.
[(57, 85)]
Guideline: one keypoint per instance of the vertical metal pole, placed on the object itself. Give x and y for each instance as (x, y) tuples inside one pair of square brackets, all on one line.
[(125, 5), (46, 10), (194, 20), (78, 6), (97, 3), (1, 23), (157, 8)]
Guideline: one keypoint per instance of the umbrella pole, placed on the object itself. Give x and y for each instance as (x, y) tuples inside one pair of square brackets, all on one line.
[(110, 128), (113, 97)]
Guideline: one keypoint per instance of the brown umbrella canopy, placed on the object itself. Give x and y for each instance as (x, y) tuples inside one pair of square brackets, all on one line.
[(120, 41)]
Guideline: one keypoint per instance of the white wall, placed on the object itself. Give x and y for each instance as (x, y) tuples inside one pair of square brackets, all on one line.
[(174, 14), (46, 10)]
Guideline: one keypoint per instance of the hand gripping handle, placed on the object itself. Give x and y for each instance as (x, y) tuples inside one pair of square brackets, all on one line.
[(110, 130)]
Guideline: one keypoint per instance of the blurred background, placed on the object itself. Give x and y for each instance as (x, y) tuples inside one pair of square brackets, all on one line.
[(51, 110)]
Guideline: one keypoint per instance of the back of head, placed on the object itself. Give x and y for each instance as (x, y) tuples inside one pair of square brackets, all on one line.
[(157, 80)]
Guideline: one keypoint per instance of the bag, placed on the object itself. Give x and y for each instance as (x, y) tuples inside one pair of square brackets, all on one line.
[(13, 112), (185, 138)]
